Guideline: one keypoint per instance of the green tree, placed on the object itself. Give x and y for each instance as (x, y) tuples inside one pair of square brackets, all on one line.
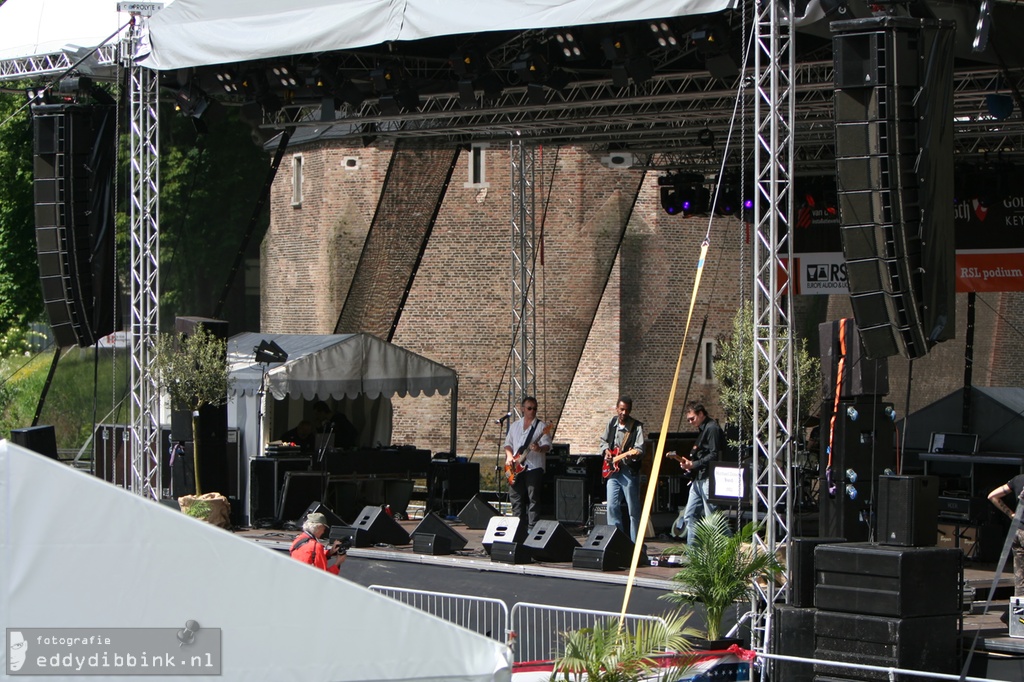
[(20, 295), (193, 370), (734, 367)]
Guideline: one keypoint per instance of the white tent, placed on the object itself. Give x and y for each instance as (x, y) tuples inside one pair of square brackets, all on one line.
[(199, 32), (77, 552), (328, 366)]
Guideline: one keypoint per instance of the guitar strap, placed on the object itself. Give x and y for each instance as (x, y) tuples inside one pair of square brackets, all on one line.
[(529, 438)]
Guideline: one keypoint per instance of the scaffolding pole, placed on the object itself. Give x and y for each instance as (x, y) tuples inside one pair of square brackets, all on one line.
[(522, 365)]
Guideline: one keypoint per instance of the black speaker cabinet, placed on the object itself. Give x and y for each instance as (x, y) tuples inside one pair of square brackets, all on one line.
[(356, 537), (550, 541), (380, 528), (793, 634), (266, 483), (301, 489), (894, 137), (40, 439), (503, 529), (801, 569), (861, 376), (605, 549), (863, 446), (908, 510), (451, 483), (884, 580), (509, 553), (432, 524), (428, 543), (73, 170), (571, 500), (477, 513), (927, 643)]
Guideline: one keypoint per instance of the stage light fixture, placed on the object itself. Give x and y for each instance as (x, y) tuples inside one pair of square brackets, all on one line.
[(285, 76), (38, 95), (191, 101), (229, 80), (999, 106), (664, 35), (569, 46), (530, 66), (268, 352)]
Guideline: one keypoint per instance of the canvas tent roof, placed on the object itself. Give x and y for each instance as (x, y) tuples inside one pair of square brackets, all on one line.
[(203, 32), (336, 365), (997, 417), (77, 552)]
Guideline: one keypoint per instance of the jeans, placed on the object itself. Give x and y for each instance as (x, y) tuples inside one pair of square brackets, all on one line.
[(624, 484), (698, 498), (524, 495)]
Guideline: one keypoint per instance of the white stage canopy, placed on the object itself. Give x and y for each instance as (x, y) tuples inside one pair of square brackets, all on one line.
[(336, 366), (77, 552), (203, 32)]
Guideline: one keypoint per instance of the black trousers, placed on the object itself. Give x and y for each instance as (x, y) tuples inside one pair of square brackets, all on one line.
[(524, 495)]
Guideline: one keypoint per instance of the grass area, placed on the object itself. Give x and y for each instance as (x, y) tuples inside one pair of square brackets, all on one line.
[(86, 387)]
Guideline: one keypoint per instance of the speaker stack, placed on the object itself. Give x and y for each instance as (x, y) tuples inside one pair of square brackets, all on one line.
[(887, 606), (73, 189), (894, 166)]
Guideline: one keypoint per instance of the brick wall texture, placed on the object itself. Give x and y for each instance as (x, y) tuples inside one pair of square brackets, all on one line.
[(613, 281)]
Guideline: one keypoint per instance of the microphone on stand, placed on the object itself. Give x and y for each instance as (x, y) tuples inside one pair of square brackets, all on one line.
[(508, 415)]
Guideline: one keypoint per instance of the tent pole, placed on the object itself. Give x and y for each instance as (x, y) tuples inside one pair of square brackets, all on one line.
[(453, 438)]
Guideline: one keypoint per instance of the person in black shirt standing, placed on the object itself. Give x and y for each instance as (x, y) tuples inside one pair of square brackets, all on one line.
[(709, 445)]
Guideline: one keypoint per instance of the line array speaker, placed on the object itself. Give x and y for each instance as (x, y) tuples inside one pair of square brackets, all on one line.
[(73, 170), (894, 167), (861, 376)]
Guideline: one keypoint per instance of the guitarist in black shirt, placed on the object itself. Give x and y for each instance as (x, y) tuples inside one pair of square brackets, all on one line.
[(709, 445)]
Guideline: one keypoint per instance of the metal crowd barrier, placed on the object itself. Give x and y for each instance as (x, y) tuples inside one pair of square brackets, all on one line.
[(538, 628), (485, 616)]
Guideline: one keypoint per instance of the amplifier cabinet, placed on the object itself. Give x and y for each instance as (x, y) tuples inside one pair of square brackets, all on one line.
[(978, 543), (886, 580), (927, 643)]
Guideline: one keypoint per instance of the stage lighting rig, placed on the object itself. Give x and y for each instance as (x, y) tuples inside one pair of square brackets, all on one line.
[(683, 193)]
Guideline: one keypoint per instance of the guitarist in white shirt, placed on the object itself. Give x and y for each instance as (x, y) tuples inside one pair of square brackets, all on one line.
[(622, 446), (526, 447)]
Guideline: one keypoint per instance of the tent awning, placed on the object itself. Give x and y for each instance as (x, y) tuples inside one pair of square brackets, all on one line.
[(138, 564), (337, 366), (200, 32)]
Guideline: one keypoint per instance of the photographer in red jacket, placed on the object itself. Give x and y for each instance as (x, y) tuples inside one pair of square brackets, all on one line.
[(306, 546)]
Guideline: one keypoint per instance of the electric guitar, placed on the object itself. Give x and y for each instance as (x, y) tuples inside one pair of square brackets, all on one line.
[(611, 462), (516, 467), (679, 458)]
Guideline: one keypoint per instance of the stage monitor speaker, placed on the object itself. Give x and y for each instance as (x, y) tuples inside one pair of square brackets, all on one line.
[(428, 543), (605, 549), (908, 510), (571, 500), (380, 528), (503, 529), (477, 513), (862, 447), (550, 541), (884, 580), (74, 168), (318, 507), (894, 163), (801, 570), (793, 634), (40, 439), (861, 376), (432, 524), (355, 537), (509, 553)]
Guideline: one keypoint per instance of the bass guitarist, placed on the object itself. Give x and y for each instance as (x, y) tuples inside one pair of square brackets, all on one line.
[(622, 446), (526, 446)]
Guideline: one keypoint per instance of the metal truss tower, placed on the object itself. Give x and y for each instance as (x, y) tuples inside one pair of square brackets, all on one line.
[(522, 364), (145, 258), (774, 116)]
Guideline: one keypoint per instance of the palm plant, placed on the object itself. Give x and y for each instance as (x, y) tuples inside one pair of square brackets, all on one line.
[(720, 569), (607, 652)]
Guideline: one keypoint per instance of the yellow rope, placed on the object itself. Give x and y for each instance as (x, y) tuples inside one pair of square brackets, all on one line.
[(665, 425)]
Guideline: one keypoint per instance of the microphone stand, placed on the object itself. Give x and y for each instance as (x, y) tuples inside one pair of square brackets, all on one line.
[(504, 424), (321, 459)]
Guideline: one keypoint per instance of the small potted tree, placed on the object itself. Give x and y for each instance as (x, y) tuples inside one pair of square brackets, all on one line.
[(719, 569), (193, 369), (607, 652)]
